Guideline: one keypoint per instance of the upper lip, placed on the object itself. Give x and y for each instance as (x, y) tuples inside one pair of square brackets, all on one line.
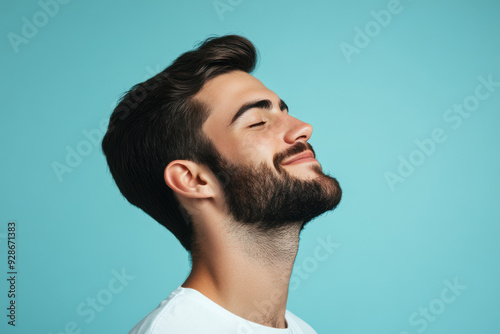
[(303, 155)]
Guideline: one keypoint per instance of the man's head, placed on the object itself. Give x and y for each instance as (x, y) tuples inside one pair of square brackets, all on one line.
[(205, 114)]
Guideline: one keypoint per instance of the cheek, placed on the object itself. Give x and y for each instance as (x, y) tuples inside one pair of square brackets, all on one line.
[(256, 148)]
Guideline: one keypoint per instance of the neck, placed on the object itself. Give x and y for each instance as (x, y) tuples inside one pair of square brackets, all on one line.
[(247, 272)]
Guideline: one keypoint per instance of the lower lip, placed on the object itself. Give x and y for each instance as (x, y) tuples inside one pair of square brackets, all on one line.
[(299, 161)]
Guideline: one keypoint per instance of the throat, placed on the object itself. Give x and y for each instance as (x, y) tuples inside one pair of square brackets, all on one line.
[(275, 249)]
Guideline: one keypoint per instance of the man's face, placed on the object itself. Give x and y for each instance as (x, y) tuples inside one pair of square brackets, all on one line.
[(273, 176)]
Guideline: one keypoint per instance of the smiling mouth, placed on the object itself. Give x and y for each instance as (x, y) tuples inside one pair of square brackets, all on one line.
[(306, 156)]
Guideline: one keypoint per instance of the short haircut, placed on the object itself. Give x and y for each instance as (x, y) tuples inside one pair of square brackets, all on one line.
[(158, 121)]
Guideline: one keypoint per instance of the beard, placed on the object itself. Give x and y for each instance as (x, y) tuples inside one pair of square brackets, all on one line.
[(269, 200)]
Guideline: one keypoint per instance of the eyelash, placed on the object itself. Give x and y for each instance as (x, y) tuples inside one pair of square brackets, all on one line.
[(257, 124), (262, 123)]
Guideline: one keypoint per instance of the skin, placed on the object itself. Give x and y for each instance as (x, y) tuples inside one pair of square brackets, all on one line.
[(243, 271)]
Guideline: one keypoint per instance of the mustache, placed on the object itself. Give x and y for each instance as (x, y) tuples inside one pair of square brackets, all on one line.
[(295, 149)]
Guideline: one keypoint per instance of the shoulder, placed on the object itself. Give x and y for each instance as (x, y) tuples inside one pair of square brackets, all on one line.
[(164, 317), (185, 311)]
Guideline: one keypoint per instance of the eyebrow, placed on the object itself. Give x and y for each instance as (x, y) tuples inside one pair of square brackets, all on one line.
[(260, 104)]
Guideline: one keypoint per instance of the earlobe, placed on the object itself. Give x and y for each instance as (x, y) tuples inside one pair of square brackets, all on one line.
[(188, 179)]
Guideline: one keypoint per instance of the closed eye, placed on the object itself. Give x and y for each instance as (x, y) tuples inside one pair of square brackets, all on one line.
[(257, 124)]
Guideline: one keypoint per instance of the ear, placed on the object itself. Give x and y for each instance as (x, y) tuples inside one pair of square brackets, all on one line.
[(189, 179)]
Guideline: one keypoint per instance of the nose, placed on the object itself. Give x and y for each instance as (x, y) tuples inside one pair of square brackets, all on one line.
[(297, 131)]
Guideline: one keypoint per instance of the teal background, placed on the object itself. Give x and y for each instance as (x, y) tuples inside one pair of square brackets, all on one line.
[(396, 247)]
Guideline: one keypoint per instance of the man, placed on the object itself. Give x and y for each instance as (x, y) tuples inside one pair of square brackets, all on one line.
[(213, 155)]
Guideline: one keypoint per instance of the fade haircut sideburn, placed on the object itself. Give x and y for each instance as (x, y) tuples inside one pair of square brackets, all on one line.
[(158, 121)]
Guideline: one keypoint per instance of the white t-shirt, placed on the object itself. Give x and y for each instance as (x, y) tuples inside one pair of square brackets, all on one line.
[(188, 311)]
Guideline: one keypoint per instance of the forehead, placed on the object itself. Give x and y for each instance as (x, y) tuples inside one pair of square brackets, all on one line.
[(225, 93)]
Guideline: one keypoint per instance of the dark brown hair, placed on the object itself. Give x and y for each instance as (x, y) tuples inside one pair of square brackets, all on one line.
[(157, 121)]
